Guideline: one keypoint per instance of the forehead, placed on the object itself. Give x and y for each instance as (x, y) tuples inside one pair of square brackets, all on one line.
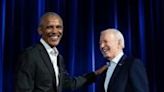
[(52, 19), (105, 35)]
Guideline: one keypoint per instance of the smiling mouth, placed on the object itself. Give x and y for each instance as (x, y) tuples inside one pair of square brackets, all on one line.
[(105, 50), (54, 36)]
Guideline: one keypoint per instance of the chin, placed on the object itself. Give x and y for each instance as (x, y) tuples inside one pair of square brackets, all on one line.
[(53, 44), (105, 56)]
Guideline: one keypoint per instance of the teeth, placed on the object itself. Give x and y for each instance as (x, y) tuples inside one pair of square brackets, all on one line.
[(105, 49), (54, 37)]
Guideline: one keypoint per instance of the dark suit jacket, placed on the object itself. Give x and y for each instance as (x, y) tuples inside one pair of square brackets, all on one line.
[(128, 76), (35, 73)]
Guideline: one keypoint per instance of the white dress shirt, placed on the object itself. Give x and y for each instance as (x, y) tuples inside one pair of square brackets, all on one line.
[(53, 53), (112, 65)]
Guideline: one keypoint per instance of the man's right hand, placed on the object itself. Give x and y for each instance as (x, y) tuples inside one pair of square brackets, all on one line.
[(101, 70)]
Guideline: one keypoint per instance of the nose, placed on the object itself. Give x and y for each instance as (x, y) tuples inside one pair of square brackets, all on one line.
[(57, 30), (54, 29), (101, 45)]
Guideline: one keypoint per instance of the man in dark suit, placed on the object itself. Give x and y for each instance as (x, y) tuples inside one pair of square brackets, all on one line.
[(41, 67), (124, 74)]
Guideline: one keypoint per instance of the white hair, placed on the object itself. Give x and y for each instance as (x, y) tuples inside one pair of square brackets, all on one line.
[(118, 35)]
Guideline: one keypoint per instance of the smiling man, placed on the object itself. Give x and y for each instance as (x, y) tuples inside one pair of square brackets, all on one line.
[(124, 74), (51, 29), (41, 67)]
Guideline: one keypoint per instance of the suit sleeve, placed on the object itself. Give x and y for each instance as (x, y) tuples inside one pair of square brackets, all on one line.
[(24, 74), (138, 77), (70, 82)]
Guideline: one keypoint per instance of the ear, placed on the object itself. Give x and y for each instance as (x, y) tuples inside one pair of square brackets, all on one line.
[(119, 43), (39, 31)]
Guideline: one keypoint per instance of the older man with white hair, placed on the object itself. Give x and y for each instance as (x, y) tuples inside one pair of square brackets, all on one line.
[(124, 74)]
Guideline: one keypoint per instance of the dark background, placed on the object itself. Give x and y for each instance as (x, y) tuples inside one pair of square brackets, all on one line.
[(140, 21)]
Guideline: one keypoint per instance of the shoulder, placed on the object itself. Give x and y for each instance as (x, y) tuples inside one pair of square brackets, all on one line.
[(26, 58), (132, 58), (29, 53), (31, 49), (135, 63), (135, 60), (132, 62)]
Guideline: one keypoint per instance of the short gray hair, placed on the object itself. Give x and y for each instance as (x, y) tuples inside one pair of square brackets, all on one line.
[(118, 35), (49, 14)]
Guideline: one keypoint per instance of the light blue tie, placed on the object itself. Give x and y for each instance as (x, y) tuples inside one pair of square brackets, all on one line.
[(109, 73)]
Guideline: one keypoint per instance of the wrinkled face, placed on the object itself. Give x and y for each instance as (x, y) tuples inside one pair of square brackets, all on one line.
[(51, 30), (109, 45)]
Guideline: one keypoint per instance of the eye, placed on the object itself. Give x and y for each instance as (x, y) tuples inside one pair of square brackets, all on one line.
[(49, 27), (59, 27), (104, 41)]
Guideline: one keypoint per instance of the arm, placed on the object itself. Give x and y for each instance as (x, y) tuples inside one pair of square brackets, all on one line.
[(70, 82), (25, 74), (77, 82), (138, 77)]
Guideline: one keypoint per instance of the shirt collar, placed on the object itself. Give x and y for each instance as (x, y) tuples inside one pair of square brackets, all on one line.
[(118, 57), (48, 48)]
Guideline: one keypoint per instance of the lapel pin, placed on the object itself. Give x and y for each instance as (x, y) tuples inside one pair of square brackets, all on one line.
[(120, 64)]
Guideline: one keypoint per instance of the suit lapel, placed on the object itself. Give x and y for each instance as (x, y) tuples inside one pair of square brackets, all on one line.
[(116, 71), (60, 76), (46, 58)]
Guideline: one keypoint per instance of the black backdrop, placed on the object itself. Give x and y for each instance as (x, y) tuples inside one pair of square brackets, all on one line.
[(141, 22)]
